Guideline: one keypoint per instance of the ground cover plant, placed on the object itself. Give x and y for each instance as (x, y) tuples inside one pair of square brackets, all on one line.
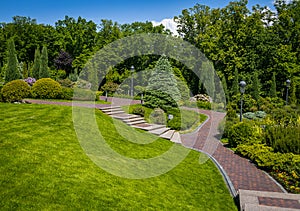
[(42, 166)]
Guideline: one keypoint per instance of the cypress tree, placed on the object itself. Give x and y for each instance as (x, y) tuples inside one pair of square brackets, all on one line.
[(273, 86), (255, 87), (12, 71), (44, 69), (235, 84), (224, 84), (207, 72), (36, 65)]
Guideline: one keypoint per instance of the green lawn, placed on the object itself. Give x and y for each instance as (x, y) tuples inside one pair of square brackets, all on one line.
[(43, 167)]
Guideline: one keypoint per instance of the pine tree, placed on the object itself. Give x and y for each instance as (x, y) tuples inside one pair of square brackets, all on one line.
[(235, 84), (208, 80), (273, 86), (25, 71), (255, 87), (224, 84), (12, 71), (163, 79), (44, 69), (36, 65)]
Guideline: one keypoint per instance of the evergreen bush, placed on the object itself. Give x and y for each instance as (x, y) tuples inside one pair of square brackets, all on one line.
[(139, 111), (15, 90), (46, 88), (67, 93)]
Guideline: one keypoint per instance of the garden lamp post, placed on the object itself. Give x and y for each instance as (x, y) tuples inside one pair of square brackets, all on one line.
[(288, 83), (131, 87), (242, 90)]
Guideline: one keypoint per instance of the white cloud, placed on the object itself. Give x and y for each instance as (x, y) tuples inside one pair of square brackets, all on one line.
[(169, 24)]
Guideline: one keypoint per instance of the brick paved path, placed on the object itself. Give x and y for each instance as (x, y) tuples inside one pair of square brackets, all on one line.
[(242, 173)]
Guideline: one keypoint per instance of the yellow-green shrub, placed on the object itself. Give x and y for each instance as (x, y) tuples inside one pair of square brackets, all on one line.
[(46, 88), (15, 91)]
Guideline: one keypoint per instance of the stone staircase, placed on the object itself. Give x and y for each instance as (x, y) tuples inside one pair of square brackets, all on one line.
[(139, 122)]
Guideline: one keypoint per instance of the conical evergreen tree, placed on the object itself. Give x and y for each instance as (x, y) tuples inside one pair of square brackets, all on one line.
[(207, 72), (273, 86), (255, 87), (12, 71), (163, 79), (44, 69), (224, 84), (235, 84), (37, 64)]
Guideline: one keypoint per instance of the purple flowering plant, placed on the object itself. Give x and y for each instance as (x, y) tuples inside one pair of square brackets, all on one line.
[(30, 81)]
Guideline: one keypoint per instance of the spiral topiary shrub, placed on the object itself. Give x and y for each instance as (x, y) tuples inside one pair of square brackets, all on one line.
[(15, 91), (46, 88)]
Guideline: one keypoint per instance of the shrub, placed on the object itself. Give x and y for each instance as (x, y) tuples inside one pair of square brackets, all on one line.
[(98, 95), (15, 91), (249, 115), (139, 110), (260, 114), (84, 94), (46, 88), (159, 99), (283, 139), (65, 82), (158, 116), (204, 105), (67, 93), (245, 132)]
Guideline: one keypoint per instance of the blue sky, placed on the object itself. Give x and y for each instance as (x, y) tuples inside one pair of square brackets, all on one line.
[(48, 12)]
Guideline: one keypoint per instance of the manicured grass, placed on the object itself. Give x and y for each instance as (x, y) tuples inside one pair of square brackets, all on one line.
[(190, 120), (43, 167)]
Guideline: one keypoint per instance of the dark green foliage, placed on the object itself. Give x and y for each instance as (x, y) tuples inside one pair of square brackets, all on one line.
[(273, 92), (243, 133), (110, 88), (65, 82), (283, 139), (15, 90), (46, 88), (139, 110), (285, 116), (249, 104), (235, 84), (159, 99), (224, 84), (204, 105), (12, 71), (36, 65), (255, 87), (66, 93), (44, 69), (163, 79), (64, 62)]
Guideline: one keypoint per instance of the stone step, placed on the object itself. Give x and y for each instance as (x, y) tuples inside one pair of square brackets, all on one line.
[(111, 110), (136, 122), (124, 116), (176, 138), (168, 135), (159, 131), (133, 119), (153, 127), (109, 107), (114, 112)]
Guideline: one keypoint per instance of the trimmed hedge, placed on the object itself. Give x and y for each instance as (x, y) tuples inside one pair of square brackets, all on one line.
[(46, 88), (15, 90)]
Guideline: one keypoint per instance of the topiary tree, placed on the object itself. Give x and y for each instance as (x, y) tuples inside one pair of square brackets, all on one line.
[(12, 71), (163, 79), (235, 84), (15, 90), (255, 87), (44, 69), (37, 64), (273, 86), (46, 88)]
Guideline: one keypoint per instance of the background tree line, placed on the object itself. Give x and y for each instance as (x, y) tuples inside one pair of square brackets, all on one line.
[(259, 46)]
